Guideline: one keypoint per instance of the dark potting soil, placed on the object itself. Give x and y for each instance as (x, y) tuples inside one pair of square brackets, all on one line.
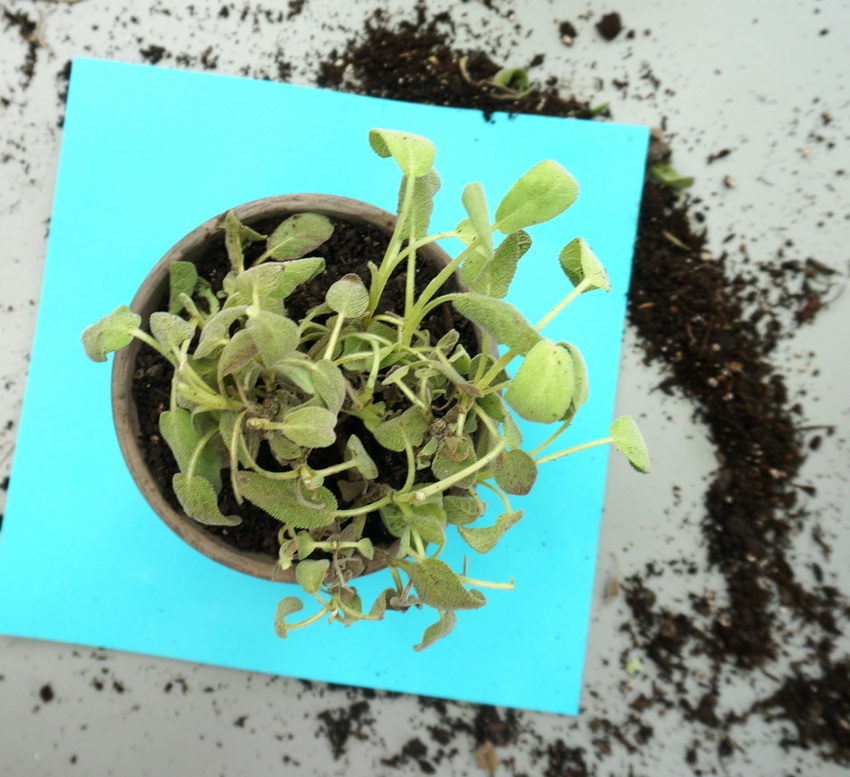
[(347, 251)]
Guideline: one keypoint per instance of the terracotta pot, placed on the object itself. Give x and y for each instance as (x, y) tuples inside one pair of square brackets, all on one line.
[(151, 293)]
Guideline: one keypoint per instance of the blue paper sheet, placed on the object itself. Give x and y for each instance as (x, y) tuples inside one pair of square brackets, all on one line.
[(148, 154)]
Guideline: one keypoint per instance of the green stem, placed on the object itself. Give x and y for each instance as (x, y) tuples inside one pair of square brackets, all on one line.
[(574, 449), (355, 511), (549, 440), (196, 454), (582, 287), (486, 583), (140, 334)]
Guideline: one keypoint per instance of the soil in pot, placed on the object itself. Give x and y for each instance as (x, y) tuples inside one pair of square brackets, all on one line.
[(348, 250)]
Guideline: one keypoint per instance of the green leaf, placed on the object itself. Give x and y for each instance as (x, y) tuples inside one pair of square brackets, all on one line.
[(330, 385), (288, 500), (274, 281), (236, 237), (275, 336), (110, 333), (517, 473), (421, 206), (287, 606), (170, 331), (363, 463), (629, 441), (348, 296), (461, 510), (179, 432), (437, 630), (439, 587), (216, 332), (414, 154), (667, 175), (182, 277), (475, 202), (452, 457), (284, 450), (199, 500), (312, 427), (499, 319), (239, 350), (428, 519), (511, 432), (485, 539), (513, 78), (542, 193), (311, 574), (580, 263), (495, 279), (410, 426), (543, 385), (247, 440), (582, 386), (298, 235)]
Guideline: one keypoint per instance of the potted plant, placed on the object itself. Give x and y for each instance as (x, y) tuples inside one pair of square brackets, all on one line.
[(366, 433)]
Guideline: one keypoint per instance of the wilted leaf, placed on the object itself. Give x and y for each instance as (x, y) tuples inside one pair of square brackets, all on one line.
[(543, 385), (298, 235), (541, 194), (517, 472), (312, 427), (513, 78), (110, 333), (667, 175), (287, 606), (499, 319), (484, 540), (440, 588), (580, 263), (629, 441), (582, 386), (199, 500), (414, 154), (288, 500), (437, 630), (311, 574)]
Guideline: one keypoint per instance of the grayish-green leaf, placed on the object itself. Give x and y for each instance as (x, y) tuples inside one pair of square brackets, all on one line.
[(275, 336), (499, 319), (199, 500), (439, 587), (298, 235), (485, 539), (461, 510), (311, 574), (283, 449), (511, 432), (517, 472), (312, 427), (110, 333), (513, 78), (182, 277), (240, 349), (495, 278), (428, 519), (274, 281), (409, 427), (475, 202), (363, 463), (580, 264), (288, 500), (236, 237), (287, 606), (179, 432), (216, 331), (421, 205), (629, 441), (169, 330), (348, 296), (666, 174), (451, 457), (330, 385), (414, 154), (582, 386), (437, 630), (543, 386), (541, 194)]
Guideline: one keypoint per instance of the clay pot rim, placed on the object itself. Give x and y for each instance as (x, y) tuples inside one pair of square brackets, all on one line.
[(151, 291)]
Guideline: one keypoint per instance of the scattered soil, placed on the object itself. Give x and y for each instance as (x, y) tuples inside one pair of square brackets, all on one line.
[(610, 26), (30, 32)]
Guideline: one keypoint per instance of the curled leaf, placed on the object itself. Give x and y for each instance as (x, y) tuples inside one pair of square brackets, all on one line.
[(580, 264), (287, 606), (110, 333), (311, 574), (414, 154), (484, 540), (629, 441), (199, 500), (437, 630)]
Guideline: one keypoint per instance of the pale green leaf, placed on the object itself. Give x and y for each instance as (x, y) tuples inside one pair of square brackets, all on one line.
[(182, 277), (348, 296), (461, 510), (582, 386), (485, 539), (541, 194), (330, 385), (275, 336), (511, 432), (179, 432), (311, 574), (408, 428), (439, 587), (110, 333), (629, 441), (421, 205), (289, 605), (312, 427), (288, 500), (579, 264), (199, 500), (452, 456), (499, 319), (284, 450), (216, 331), (414, 154), (363, 463), (237, 236), (543, 386), (513, 78), (517, 472), (170, 331), (240, 349), (437, 630), (667, 175), (298, 235), (428, 519), (475, 202)]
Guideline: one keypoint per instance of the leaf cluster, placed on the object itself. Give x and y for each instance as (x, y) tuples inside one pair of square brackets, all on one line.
[(256, 394)]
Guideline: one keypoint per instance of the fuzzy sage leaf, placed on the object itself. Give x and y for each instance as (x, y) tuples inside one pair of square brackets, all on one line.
[(110, 333), (414, 154), (580, 264), (499, 319), (484, 540), (544, 192), (288, 500), (629, 441), (298, 235), (199, 500), (439, 587), (437, 630), (543, 386)]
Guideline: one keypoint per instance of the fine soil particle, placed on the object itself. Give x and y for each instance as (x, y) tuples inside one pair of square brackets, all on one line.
[(46, 693), (610, 26)]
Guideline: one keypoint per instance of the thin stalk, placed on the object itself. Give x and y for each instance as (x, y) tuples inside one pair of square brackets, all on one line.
[(196, 454), (582, 287), (355, 511), (574, 449), (549, 440), (486, 583)]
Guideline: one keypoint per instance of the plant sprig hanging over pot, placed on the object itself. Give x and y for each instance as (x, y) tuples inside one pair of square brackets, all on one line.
[(255, 393)]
